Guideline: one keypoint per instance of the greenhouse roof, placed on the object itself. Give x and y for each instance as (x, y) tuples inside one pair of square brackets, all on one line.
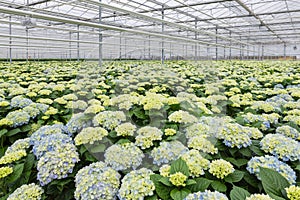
[(210, 22)]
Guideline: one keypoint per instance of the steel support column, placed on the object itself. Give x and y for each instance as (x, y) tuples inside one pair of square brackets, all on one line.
[(100, 38), (162, 30)]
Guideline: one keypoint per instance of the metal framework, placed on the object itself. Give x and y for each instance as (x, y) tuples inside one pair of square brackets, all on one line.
[(149, 29)]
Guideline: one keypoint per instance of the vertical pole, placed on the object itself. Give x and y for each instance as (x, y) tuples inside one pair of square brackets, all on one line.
[(241, 46), (170, 50), (27, 43), (10, 40), (224, 56), (78, 42), (230, 50), (70, 45), (120, 49), (216, 43), (196, 37), (284, 50), (162, 30), (262, 52), (149, 45), (100, 38)]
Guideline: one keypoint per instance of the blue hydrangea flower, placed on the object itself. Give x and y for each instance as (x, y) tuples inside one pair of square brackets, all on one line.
[(18, 118), (57, 164), (281, 146), (51, 143), (123, 156), (78, 122), (136, 185), (271, 162), (20, 102), (44, 131), (167, 152), (97, 181), (206, 195)]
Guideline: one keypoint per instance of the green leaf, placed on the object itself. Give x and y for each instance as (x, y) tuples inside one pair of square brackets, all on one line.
[(113, 134), (17, 172), (98, 148), (201, 184), (154, 197), (238, 193), (29, 162), (190, 182), (236, 176), (162, 191), (251, 180), (256, 150), (239, 162), (179, 165), (273, 182), (166, 181), (246, 152), (3, 132), (217, 185), (139, 113), (177, 194), (26, 128), (13, 132), (297, 168)]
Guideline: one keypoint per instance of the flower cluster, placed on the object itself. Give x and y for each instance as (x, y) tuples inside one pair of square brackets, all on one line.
[(31, 191), (197, 129), (125, 129), (178, 179), (167, 152), (90, 135), (12, 157), (51, 143), (164, 170), (20, 144), (78, 122), (288, 131), (18, 118), (182, 117), (281, 146), (293, 192), (234, 136), (252, 132), (94, 109), (146, 135), (96, 181), (220, 168), (136, 185), (202, 143), (206, 195), (77, 105), (123, 156), (57, 164), (32, 110), (196, 163), (124, 101), (44, 131), (20, 102), (169, 131), (153, 101), (259, 197), (271, 162), (56, 152), (5, 171), (265, 106), (109, 119)]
